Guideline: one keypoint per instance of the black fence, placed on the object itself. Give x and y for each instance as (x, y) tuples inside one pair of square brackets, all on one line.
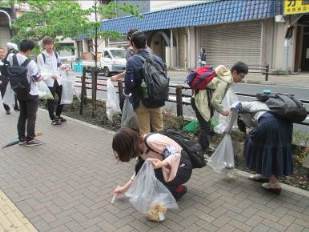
[(177, 93)]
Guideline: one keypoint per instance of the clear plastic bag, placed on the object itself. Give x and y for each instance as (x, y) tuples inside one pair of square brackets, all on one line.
[(223, 157), (9, 96), (112, 102), (2, 110), (129, 118), (149, 196), (44, 92), (67, 90), (220, 122)]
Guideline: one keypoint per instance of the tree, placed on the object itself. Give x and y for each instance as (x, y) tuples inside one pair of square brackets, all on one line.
[(61, 19)]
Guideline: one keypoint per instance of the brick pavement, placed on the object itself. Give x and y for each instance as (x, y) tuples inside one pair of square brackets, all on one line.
[(65, 185)]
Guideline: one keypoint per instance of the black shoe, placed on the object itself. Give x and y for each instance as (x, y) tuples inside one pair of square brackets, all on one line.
[(61, 119), (33, 142), (56, 122), (8, 112)]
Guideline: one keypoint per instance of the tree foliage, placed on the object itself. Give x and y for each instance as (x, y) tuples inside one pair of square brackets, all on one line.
[(64, 18)]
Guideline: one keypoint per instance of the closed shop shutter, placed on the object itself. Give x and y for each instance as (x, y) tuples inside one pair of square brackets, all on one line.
[(229, 43)]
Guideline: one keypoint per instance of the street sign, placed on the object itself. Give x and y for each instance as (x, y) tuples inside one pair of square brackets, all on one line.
[(296, 7)]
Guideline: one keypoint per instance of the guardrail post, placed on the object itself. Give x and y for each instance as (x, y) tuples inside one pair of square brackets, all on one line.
[(179, 101), (267, 72), (120, 90), (83, 92)]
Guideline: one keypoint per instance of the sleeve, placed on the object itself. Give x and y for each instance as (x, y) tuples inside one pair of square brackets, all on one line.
[(34, 71), (40, 61), (129, 78), (218, 95)]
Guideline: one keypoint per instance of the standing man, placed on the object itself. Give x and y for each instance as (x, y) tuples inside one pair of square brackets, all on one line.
[(3, 77), (203, 57), (149, 114), (28, 101), (49, 61)]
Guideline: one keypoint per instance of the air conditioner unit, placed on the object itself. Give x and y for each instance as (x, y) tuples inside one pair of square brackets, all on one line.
[(279, 19)]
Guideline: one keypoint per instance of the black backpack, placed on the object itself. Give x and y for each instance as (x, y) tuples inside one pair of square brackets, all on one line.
[(285, 106), (17, 75), (193, 149), (157, 83)]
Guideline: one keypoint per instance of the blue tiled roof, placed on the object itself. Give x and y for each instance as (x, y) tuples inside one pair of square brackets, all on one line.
[(208, 13)]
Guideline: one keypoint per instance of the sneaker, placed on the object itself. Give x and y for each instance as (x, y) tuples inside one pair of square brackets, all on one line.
[(61, 119), (56, 122), (272, 188), (258, 178), (22, 141), (180, 191), (33, 142)]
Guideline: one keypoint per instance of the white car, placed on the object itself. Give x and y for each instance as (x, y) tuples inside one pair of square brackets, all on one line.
[(113, 60)]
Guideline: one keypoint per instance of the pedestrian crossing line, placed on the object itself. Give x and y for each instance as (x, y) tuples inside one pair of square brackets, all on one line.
[(11, 218)]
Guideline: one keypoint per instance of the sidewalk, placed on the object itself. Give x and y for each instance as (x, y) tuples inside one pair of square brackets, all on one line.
[(65, 185), (296, 80)]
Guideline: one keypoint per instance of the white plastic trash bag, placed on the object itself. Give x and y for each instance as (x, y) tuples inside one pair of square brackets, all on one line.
[(67, 90), (219, 121), (223, 157), (9, 96), (44, 92), (149, 196), (112, 102), (2, 110), (129, 118)]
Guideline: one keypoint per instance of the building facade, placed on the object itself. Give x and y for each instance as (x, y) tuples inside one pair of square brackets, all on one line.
[(253, 31)]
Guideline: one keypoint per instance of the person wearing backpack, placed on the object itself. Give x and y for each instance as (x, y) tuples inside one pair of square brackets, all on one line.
[(49, 61), (23, 74), (171, 162), (208, 93), (147, 83), (267, 147)]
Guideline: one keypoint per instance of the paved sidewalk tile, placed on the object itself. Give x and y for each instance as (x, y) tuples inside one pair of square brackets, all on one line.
[(66, 185)]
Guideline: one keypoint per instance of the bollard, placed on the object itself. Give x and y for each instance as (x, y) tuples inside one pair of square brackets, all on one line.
[(83, 92), (267, 72), (179, 101)]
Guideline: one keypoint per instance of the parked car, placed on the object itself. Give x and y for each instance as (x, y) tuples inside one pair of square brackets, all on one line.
[(113, 60)]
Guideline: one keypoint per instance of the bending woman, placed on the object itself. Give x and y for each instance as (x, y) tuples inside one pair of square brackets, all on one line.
[(268, 145), (172, 164)]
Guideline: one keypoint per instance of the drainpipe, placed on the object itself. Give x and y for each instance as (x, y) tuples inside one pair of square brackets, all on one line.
[(171, 49)]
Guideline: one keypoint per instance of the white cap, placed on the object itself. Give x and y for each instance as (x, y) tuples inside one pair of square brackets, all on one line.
[(10, 46)]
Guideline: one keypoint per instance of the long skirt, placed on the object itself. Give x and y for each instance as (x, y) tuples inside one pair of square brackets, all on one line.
[(268, 147)]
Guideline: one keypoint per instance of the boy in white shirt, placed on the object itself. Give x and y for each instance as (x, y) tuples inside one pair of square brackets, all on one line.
[(48, 61), (28, 102)]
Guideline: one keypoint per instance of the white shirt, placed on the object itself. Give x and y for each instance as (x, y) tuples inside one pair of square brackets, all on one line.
[(49, 68), (32, 71)]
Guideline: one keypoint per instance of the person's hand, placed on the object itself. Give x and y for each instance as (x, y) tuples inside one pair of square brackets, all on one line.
[(156, 163), (225, 113), (119, 190), (115, 77)]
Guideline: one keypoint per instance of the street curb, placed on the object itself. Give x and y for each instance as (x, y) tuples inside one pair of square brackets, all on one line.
[(240, 173)]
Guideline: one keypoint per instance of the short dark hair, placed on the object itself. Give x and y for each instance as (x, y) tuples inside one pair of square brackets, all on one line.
[(126, 144), (47, 40), (240, 67), (26, 45), (130, 32), (139, 40)]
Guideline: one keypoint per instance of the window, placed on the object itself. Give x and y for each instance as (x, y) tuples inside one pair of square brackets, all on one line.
[(106, 55)]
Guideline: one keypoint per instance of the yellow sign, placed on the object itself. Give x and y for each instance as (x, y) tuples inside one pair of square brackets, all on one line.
[(296, 7)]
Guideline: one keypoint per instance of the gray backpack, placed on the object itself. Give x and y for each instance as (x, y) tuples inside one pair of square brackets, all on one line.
[(156, 88)]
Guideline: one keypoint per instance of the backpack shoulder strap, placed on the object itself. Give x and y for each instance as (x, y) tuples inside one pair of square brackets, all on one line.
[(15, 61), (44, 57), (26, 62)]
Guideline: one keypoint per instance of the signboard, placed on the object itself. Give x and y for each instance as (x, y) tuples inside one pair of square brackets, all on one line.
[(296, 7)]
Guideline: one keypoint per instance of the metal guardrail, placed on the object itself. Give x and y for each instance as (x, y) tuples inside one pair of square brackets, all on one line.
[(177, 91)]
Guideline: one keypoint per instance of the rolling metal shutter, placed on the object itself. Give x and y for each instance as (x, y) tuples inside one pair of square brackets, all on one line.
[(229, 43)]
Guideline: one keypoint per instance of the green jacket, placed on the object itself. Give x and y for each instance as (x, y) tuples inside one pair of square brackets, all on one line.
[(219, 85)]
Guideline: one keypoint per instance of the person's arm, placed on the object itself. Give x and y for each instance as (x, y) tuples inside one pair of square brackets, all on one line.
[(120, 190), (118, 77), (217, 97), (40, 61), (130, 78), (34, 72)]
